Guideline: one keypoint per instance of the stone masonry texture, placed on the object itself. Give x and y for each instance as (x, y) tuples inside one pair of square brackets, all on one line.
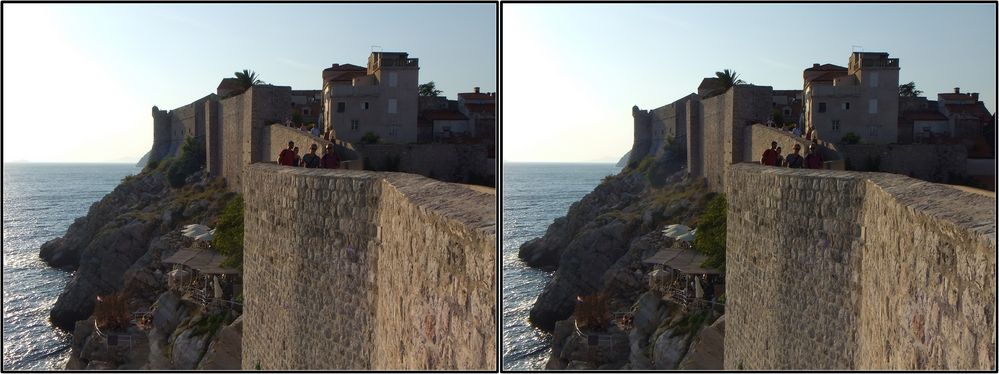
[(848, 270), (363, 270)]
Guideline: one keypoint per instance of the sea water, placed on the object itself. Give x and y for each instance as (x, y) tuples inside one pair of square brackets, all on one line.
[(534, 195), (40, 201)]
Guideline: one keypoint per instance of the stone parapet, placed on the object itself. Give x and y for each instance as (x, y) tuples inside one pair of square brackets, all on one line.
[(849, 270), (363, 270)]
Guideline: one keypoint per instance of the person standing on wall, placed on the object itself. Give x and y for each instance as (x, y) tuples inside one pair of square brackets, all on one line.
[(311, 159), (298, 159), (330, 159), (287, 156), (780, 158), (315, 130), (813, 160), (770, 155), (794, 160)]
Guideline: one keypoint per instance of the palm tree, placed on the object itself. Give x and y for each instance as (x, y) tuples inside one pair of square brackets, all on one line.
[(247, 79), (727, 79)]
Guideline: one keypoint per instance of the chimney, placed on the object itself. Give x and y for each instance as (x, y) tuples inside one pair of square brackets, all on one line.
[(476, 90), (974, 96), (957, 90), (815, 65)]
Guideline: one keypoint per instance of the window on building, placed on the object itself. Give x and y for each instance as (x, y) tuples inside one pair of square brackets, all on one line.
[(341, 107), (787, 112), (355, 124), (393, 106), (822, 107), (872, 130), (393, 130), (365, 105), (393, 79), (872, 106), (835, 125), (846, 105), (872, 78), (306, 111), (447, 128)]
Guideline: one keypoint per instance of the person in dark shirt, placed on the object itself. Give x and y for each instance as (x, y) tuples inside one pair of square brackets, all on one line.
[(795, 160), (298, 159), (780, 158), (769, 155), (813, 160), (287, 156), (330, 159), (311, 159)]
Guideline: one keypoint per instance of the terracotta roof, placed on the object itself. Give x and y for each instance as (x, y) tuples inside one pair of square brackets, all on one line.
[(955, 96), (442, 114), (977, 109), (343, 72), (924, 115), (826, 67), (477, 96), (828, 76), (481, 108)]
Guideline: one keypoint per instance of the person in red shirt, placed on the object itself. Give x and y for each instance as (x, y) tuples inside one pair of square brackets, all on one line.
[(770, 155), (330, 160), (287, 156), (813, 160)]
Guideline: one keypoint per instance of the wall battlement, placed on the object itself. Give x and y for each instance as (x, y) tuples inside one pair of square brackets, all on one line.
[(367, 270), (848, 270)]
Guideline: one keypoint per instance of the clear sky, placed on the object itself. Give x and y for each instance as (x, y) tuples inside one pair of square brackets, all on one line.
[(79, 81), (571, 72)]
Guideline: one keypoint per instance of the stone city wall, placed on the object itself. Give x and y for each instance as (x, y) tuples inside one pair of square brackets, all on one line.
[(367, 270), (848, 270), (929, 162), (758, 138), (171, 128), (722, 137), (458, 163), (277, 136)]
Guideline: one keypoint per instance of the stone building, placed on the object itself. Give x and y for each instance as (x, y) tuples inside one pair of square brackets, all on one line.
[(860, 99), (380, 99), (480, 108), (787, 103), (307, 104)]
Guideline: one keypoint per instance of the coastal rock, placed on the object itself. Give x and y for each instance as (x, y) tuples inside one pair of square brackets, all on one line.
[(582, 265), (225, 350), (707, 351), (188, 348), (65, 252), (669, 350), (104, 261)]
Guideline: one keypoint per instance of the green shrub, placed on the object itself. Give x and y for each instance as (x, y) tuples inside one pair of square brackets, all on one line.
[(850, 138), (228, 239), (164, 164), (645, 164), (190, 160), (710, 237), (370, 138)]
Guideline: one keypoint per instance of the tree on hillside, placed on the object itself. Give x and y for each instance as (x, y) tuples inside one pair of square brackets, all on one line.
[(429, 89), (247, 79), (908, 90)]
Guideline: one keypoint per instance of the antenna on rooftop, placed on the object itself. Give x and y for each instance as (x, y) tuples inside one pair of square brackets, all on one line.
[(857, 48), (376, 48)]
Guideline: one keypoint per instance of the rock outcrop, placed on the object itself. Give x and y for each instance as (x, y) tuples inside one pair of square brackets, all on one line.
[(114, 244), (601, 233)]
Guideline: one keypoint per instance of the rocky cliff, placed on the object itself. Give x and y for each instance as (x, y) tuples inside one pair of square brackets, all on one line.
[(599, 247), (119, 247)]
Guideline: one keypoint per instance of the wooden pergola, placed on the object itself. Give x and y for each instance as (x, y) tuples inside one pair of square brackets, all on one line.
[(688, 283)]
